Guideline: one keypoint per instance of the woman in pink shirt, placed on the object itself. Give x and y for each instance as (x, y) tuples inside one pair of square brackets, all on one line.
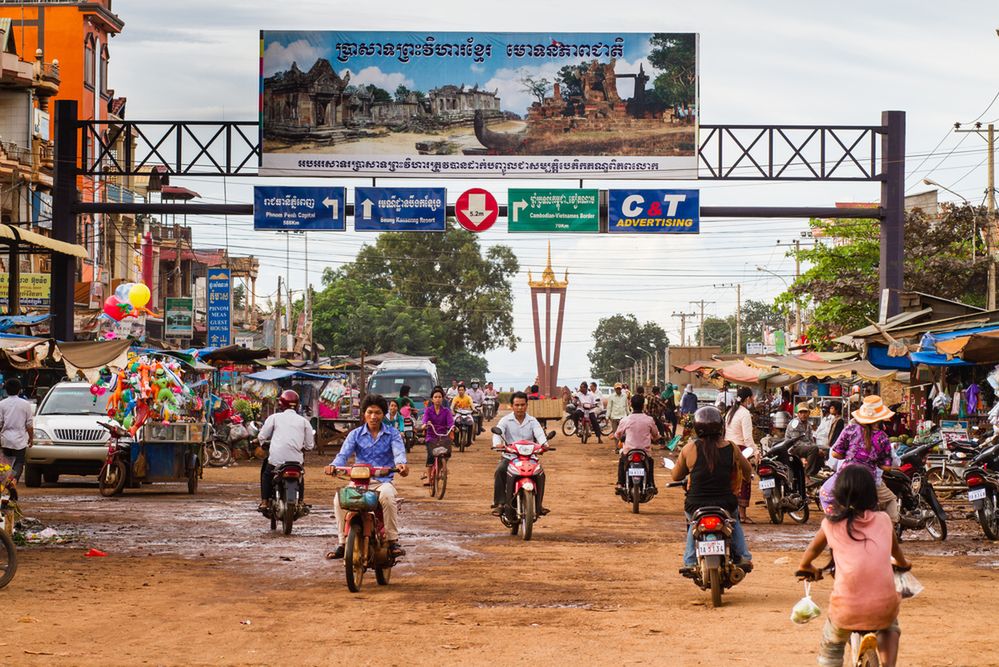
[(636, 431), (863, 545)]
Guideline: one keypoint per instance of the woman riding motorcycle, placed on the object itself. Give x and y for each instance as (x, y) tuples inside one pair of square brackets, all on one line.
[(712, 463)]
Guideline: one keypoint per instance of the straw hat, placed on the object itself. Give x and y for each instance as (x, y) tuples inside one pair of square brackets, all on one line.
[(618, 385), (872, 410)]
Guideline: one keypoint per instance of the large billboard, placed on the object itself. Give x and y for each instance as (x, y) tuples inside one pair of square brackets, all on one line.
[(558, 105)]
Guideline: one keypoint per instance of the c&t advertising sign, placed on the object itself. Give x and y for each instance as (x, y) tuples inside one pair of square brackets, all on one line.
[(479, 104), (653, 211)]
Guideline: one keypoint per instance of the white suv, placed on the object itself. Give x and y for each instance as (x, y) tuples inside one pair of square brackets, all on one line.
[(68, 439)]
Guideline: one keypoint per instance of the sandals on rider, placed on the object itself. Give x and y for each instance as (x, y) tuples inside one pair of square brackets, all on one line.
[(335, 555), (395, 551)]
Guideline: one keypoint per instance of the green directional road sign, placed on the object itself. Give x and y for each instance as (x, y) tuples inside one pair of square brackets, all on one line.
[(553, 210)]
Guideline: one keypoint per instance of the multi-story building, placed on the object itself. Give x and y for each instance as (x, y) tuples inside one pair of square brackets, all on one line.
[(26, 154)]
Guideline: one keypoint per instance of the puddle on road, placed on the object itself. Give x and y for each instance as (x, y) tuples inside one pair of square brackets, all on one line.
[(229, 530)]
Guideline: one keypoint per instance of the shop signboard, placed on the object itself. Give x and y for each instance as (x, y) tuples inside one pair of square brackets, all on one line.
[(35, 289), (179, 317), (219, 308), (564, 105)]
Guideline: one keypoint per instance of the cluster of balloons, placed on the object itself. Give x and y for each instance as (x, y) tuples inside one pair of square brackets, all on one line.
[(128, 300), (145, 388)]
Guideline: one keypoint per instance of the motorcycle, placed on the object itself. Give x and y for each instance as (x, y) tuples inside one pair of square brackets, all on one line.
[(408, 433), (780, 486), (982, 478), (919, 507), (637, 489), (365, 544), (489, 408), (114, 473), (523, 470), (716, 569), (464, 422), (287, 491)]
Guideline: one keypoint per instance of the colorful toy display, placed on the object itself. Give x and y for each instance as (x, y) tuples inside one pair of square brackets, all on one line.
[(146, 388)]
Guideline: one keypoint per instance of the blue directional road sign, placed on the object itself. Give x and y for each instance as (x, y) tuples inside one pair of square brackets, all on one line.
[(653, 211), (400, 209), (299, 209)]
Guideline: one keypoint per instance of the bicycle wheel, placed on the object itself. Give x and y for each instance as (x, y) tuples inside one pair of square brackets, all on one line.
[(8, 559), (441, 477), (867, 652)]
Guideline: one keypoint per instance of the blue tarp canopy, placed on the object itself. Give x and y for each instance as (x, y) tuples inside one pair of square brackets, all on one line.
[(10, 321), (878, 356), (276, 374)]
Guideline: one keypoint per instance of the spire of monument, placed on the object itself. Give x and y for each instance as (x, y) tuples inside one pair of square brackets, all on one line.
[(548, 279)]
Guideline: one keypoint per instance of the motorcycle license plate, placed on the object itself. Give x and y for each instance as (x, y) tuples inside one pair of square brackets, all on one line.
[(767, 483), (408, 429), (976, 494), (636, 472), (711, 548)]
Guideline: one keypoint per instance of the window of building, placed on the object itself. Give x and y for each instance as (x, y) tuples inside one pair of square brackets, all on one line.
[(88, 62), (104, 71)]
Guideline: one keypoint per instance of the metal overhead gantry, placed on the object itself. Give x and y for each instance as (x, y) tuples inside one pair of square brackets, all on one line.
[(802, 153)]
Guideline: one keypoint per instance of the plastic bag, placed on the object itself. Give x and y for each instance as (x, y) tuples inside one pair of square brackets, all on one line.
[(907, 585), (805, 610)]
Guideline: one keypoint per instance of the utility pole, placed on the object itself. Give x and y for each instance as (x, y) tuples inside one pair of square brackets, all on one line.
[(702, 303), (683, 325), (796, 244), (738, 313), (991, 231), (278, 323)]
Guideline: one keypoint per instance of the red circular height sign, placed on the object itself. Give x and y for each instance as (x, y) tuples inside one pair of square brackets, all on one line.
[(476, 210)]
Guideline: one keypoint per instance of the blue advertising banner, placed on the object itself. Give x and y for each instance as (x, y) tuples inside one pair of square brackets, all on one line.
[(303, 209), (566, 105), (219, 307), (400, 209), (654, 211)]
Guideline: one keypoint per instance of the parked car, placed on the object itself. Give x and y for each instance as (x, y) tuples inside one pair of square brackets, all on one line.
[(706, 396), (68, 439)]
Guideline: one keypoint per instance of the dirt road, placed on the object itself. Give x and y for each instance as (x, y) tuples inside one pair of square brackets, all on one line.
[(201, 581)]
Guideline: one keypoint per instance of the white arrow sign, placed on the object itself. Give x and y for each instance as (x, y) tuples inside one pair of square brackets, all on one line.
[(476, 210), (333, 204), (518, 206), (366, 208)]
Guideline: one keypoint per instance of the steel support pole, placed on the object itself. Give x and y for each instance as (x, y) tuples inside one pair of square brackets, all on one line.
[(64, 195), (892, 268)]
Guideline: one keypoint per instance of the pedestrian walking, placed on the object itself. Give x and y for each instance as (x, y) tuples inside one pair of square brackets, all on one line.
[(16, 427)]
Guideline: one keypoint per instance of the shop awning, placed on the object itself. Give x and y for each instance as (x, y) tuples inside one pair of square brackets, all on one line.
[(277, 374), (11, 234), (847, 370), (737, 371)]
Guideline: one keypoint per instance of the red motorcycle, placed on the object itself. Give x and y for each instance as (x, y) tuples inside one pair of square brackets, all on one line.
[(115, 471), (524, 469), (365, 544)]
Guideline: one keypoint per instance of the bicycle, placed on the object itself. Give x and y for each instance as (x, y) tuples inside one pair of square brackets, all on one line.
[(437, 476)]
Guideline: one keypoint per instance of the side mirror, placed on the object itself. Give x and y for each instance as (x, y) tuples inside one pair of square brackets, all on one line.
[(669, 464), (495, 430), (550, 435)]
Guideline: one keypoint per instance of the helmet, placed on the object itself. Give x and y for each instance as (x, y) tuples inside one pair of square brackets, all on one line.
[(780, 419), (288, 399), (708, 421)]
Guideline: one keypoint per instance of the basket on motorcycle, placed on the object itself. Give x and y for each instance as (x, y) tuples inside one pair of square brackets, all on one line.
[(354, 499)]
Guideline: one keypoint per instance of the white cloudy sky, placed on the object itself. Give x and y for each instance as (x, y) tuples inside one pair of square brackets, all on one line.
[(761, 62)]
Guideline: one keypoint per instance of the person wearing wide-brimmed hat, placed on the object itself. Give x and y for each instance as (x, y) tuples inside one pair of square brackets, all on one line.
[(865, 443)]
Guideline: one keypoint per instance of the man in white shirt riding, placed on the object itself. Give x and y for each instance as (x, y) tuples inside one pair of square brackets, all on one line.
[(588, 402), (517, 425), (289, 434)]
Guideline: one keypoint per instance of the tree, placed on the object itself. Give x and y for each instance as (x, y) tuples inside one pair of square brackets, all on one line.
[(239, 297), (572, 84), (538, 88), (719, 331), (425, 294), (617, 336), (378, 94), (758, 316), (841, 284), (675, 55), (462, 365)]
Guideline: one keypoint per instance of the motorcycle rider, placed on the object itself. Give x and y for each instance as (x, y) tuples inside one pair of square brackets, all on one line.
[(713, 464), (380, 447), (799, 431), (588, 402), (289, 434), (636, 431), (477, 397), (452, 391), (517, 425)]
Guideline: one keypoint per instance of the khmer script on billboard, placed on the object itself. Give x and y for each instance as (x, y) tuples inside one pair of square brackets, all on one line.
[(474, 104)]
